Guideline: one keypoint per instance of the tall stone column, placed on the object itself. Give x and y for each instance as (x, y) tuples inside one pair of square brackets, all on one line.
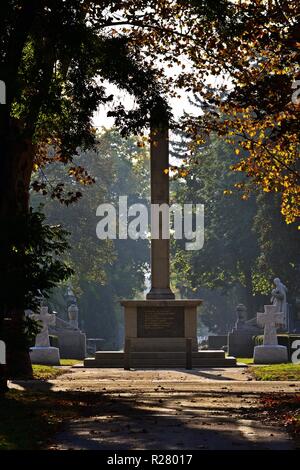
[(160, 331), (160, 250)]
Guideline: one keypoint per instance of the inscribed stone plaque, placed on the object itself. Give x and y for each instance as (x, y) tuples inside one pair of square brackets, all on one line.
[(160, 322)]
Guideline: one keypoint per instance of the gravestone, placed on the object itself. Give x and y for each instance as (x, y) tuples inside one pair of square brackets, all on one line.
[(217, 342), (240, 339), (270, 352), (71, 340), (42, 352)]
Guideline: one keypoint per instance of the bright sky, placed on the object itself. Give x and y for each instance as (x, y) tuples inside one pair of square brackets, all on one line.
[(178, 105)]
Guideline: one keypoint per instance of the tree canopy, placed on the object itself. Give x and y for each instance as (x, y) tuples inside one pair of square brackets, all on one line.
[(103, 270), (246, 241)]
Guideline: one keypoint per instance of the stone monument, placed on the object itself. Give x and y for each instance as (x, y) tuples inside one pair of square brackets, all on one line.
[(42, 352), (71, 340), (73, 315), (270, 352), (240, 339), (160, 331)]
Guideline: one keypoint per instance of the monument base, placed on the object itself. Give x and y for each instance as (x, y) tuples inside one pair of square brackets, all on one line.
[(45, 356), (160, 334), (273, 354), (159, 360)]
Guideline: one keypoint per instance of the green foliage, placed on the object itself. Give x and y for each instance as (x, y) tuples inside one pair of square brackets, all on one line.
[(55, 73), (22, 338), (31, 261), (279, 246), (227, 261), (217, 312), (104, 270), (246, 244), (276, 372), (41, 372)]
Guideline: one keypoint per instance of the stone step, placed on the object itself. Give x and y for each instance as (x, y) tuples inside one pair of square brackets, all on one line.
[(157, 360), (159, 354)]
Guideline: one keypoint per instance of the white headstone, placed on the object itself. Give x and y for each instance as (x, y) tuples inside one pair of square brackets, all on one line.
[(270, 352), (43, 353), (45, 319), (270, 320)]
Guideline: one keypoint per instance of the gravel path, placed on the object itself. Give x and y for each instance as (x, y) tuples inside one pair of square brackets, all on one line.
[(151, 409)]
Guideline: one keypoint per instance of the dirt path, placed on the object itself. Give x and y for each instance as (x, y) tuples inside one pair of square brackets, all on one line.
[(198, 409)]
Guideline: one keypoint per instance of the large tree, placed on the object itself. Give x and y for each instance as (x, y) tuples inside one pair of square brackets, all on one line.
[(254, 105), (54, 58), (228, 257), (104, 270), (246, 244)]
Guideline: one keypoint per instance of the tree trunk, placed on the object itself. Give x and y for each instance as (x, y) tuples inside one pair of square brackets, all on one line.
[(15, 168), (16, 161)]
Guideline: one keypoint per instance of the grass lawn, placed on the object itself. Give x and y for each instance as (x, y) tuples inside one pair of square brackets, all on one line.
[(46, 372), (276, 372), (70, 362), (272, 371), (50, 372)]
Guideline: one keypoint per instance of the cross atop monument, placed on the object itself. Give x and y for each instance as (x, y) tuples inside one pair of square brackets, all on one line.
[(270, 320), (160, 248)]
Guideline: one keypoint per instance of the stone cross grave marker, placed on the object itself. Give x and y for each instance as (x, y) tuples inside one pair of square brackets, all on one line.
[(46, 319), (270, 320)]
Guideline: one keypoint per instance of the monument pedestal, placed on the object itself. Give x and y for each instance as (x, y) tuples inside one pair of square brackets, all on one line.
[(160, 334), (270, 354), (44, 355)]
